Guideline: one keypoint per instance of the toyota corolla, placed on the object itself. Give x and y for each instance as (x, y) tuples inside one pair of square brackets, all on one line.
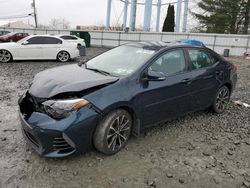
[(74, 108)]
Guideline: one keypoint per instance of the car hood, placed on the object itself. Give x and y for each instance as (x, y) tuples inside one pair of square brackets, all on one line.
[(69, 78)]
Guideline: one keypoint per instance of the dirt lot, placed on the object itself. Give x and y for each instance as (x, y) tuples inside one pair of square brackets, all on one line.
[(199, 150)]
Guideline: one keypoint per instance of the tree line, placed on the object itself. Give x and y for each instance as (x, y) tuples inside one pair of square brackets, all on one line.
[(216, 16)]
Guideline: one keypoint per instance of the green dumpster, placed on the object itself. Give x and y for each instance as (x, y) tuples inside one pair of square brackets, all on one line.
[(83, 35)]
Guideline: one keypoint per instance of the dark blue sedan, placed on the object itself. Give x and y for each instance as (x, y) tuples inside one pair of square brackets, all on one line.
[(72, 109)]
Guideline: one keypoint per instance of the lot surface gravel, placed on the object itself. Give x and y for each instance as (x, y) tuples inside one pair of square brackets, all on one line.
[(201, 149)]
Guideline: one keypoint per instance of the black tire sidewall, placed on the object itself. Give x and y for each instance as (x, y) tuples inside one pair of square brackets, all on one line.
[(102, 131)]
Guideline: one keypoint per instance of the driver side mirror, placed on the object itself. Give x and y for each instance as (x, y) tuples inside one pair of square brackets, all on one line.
[(154, 76), (25, 42)]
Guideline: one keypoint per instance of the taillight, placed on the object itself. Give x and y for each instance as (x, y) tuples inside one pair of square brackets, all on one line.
[(234, 68)]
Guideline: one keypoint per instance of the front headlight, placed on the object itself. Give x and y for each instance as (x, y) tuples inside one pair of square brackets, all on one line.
[(62, 108)]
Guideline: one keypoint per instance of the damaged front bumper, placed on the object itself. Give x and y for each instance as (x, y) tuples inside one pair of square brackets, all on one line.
[(60, 138)]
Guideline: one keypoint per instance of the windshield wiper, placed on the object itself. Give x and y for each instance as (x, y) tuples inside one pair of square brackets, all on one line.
[(100, 71)]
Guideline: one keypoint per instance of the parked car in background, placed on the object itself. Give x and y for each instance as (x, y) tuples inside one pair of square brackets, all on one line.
[(72, 108), (38, 47), (13, 37), (73, 39), (4, 32)]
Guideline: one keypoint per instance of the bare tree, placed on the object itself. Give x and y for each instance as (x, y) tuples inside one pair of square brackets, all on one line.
[(59, 23)]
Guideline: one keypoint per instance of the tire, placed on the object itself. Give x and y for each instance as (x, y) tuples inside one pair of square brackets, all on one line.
[(113, 132), (221, 100), (5, 56), (63, 56)]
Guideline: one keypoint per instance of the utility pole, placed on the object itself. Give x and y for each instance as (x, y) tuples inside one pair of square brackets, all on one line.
[(33, 5)]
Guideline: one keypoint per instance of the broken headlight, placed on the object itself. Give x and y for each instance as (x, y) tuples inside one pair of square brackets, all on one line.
[(59, 109)]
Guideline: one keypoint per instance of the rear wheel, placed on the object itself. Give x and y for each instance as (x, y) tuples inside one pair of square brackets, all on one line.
[(113, 131), (221, 100), (63, 56), (5, 56)]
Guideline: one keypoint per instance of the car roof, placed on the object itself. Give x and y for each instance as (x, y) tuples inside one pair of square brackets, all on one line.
[(55, 36), (66, 35), (158, 45)]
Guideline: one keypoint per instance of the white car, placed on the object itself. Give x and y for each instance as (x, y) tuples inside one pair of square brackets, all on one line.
[(73, 39), (38, 47)]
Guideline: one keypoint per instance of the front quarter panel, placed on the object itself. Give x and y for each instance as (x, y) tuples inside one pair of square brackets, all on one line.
[(13, 49), (111, 97)]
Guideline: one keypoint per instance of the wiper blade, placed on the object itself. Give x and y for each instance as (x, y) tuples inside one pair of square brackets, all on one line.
[(100, 71)]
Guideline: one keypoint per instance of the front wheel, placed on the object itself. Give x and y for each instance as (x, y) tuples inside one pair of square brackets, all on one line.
[(221, 100), (5, 56), (113, 131), (63, 56)]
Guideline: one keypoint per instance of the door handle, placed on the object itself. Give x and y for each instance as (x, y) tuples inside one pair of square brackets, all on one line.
[(186, 81)]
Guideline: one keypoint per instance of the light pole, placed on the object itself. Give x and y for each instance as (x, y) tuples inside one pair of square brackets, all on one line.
[(33, 5)]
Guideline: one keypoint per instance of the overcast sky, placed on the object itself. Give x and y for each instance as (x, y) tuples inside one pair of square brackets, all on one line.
[(77, 12)]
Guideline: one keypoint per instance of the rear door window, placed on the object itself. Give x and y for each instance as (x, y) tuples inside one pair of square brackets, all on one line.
[(201, 58), (52, 40)]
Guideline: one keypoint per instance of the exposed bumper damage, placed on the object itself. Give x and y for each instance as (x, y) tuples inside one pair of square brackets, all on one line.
[(57, 138)]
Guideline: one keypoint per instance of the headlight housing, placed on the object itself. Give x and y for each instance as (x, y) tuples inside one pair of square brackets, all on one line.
[(59, 109)]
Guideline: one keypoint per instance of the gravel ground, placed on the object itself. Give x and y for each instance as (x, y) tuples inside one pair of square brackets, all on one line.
[(198, 150)]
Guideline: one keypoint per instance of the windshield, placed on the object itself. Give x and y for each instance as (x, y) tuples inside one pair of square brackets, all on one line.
[(10, 34), (22, 40), (122, 61)]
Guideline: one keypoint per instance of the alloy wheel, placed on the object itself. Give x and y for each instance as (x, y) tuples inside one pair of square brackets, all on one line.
[(222, 99), (118, 133), (5, 56), (63, 56)]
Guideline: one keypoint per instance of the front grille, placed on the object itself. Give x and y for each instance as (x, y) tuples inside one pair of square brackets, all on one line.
[(31, 104), (61, 145), (31, 138)]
